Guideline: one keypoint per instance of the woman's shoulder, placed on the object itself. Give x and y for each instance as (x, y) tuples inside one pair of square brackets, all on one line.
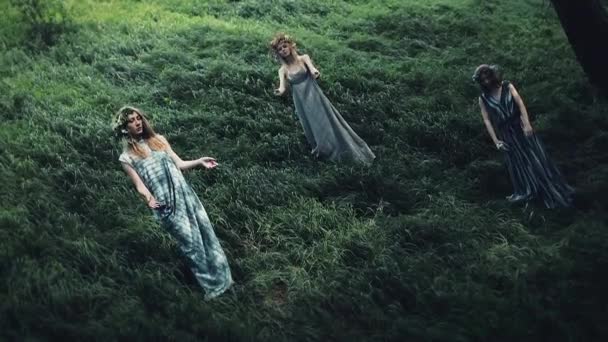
[(125, 157), (509, 86), (482, 99)]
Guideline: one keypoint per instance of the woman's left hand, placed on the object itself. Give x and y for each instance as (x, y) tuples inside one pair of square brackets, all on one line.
[(316, 74), (527, 130), (208, 162)]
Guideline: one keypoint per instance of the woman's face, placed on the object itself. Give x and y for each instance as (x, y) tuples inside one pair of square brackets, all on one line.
[(135, 125), (284, 49), (485, 79)]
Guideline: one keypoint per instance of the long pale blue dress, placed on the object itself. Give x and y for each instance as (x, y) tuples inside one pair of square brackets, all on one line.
[(325, 129), (184, 218), (533, 174)]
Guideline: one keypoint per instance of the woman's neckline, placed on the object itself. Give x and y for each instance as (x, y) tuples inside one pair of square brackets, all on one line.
[(500, 95), (301, 67)]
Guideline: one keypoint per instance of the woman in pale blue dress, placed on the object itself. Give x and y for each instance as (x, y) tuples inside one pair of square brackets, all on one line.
[(326, 131), (155, 170)]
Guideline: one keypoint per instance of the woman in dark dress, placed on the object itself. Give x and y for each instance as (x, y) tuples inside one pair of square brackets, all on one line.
[(532, 173), (326, 131)]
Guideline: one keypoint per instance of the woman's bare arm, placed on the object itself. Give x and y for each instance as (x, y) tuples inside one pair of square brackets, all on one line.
[(282, 82), (185, 164), (140, 186), (525, 119), (306, 59), (487, 122)]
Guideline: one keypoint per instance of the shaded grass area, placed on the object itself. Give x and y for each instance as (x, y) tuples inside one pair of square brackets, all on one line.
[(420, 246)]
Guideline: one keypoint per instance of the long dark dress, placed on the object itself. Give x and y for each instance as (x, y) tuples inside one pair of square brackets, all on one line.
[(325, 129), (532, 172), (185, 219)]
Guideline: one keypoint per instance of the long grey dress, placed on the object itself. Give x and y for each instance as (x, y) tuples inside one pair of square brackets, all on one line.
[(532, 172), (325, 129), (184, 218)]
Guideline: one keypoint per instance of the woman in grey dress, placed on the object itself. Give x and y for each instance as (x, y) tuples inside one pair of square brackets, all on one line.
[(532, 172), (325, 129), (155, 170)]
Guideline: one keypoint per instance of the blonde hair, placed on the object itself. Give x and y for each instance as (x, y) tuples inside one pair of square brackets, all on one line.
[(276, 42), (155, 141)]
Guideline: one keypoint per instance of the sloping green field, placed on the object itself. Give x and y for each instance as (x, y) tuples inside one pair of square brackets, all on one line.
[(421, 246)]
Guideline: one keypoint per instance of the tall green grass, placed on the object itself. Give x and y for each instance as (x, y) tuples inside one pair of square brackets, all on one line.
[(420, 246)]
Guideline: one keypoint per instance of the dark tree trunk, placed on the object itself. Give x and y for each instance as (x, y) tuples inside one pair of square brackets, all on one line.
[(585, 23)]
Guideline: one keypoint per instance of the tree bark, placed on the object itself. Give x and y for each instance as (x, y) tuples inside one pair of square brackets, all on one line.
[(585, 23)]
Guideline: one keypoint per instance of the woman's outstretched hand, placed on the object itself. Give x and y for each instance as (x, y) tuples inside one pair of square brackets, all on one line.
[(208, 162)]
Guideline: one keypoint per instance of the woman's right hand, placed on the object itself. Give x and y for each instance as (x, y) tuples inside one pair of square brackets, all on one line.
[(279, 92), (502, 146), (153, 204)]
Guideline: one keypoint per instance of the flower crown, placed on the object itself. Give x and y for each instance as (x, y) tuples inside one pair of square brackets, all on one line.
[(278, 39), (118, 126)]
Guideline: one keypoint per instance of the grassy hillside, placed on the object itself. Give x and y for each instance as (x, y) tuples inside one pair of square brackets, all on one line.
[(420, 246)]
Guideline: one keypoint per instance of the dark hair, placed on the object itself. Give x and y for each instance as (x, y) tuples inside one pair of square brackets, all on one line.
[(490, 72)]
